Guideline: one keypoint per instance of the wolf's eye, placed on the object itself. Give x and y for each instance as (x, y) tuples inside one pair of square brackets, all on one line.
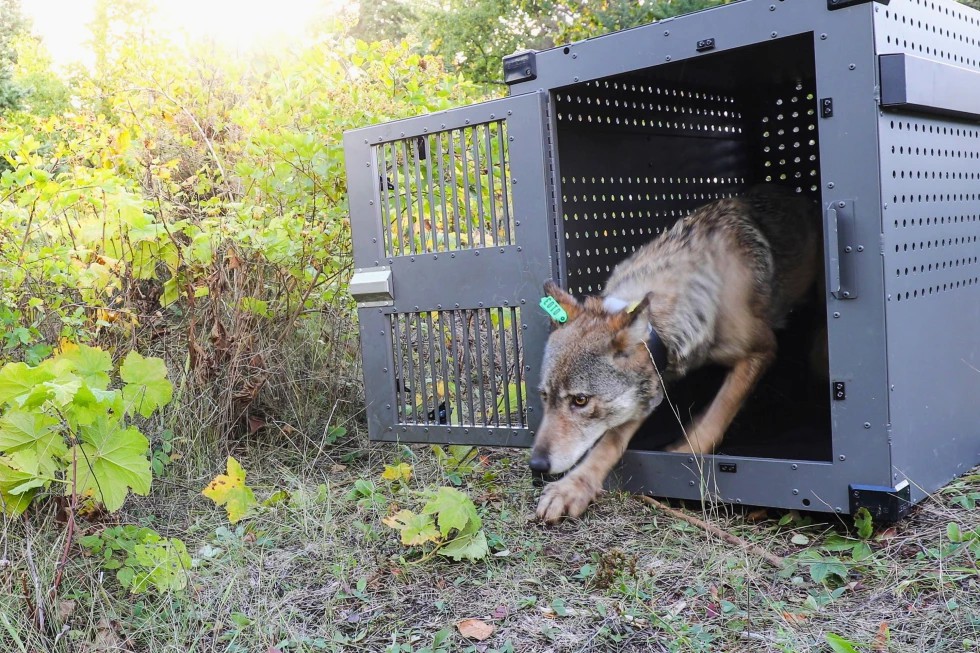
[(581, 401)]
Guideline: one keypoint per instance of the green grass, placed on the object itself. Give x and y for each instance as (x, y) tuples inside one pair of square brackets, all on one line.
[(321, 572)]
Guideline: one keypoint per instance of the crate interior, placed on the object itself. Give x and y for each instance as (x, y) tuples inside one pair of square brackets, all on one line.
[(639, 150)]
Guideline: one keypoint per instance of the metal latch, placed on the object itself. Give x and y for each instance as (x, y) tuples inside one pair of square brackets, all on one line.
[(372, 287)]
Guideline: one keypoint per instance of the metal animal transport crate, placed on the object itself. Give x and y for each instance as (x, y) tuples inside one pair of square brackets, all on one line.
[(872, 108)]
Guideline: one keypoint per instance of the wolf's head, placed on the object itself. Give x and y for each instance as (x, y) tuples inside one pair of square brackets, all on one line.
[(596, 375)]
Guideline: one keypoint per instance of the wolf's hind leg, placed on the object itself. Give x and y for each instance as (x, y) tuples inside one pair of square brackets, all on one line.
[(571, 495)]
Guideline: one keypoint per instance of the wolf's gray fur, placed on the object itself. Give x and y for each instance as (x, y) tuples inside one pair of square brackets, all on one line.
[(713, 288)]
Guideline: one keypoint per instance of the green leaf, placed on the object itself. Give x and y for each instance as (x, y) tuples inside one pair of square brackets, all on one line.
[(471, 546), (840, 645), (111, 461), (863, 523), (21, 430), (16, 470), (147, 387), (800, 539), (125, 576), (91, 364), (164, 564), (952, 530), (415, 529), (17, 380), (453, 509), (88, 404)]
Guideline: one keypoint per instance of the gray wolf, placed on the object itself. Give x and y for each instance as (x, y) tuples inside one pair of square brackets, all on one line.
[(711, 289)]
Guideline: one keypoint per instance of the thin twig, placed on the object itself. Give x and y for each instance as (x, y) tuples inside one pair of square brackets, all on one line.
[(773, 559)]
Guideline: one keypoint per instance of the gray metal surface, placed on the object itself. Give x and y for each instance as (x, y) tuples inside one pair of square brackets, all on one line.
[(930, 171), (464, 227), (911, 83)]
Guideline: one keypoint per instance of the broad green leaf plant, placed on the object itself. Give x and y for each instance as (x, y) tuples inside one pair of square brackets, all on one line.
[(64, 429)]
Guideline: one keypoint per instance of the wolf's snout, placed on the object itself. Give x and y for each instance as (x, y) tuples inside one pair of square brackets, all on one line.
[(540, 463)]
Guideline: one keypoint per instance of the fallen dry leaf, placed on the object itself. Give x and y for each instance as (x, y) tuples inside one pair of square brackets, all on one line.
[(65, 610), (794, 618), (500, 612), (757, 515), (880, 643), (474, 629), (887, 534)]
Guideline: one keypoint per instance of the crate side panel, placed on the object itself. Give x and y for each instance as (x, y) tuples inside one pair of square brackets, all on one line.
[(931, 249)]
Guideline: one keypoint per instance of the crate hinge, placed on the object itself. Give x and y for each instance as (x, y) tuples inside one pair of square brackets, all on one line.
[(886, 504)]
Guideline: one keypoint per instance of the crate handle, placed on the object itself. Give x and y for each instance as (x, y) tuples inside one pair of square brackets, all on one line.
[(841, 249)]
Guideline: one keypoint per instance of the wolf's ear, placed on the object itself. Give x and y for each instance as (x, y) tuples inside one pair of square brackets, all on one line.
[(631, 324), (568, 303)]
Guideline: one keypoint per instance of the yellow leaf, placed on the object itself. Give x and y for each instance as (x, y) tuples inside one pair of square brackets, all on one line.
[(229, 490), (399, 472)]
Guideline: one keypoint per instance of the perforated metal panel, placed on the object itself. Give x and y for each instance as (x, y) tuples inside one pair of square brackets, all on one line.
[(930, 185), (639, 151)]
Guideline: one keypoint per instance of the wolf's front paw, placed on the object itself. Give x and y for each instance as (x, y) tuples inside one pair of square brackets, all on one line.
[(567, 497)]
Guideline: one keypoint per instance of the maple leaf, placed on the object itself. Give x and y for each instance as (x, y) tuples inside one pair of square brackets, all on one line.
[(91, 364), (229, 490), (399, 472), (111, 461), (453, 509), (18, 379), (21, 430), (147, 387), (470, 543), (19, 481), (89, 403), (415, 529)]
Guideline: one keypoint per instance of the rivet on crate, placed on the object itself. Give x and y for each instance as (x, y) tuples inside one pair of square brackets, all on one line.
[(842, 457), (691, 483), (867, 425), (830, 184), (518, 248), (666, 32), (773, 35), (667, 58), (851, 67), (836, 314), (794, 466), (523, 301), (795, 491), (823, 37)]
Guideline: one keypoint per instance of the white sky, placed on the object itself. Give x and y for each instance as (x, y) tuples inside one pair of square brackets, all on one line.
[(239, 24)]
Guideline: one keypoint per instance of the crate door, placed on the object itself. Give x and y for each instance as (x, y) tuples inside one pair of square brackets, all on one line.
[(452, 221)]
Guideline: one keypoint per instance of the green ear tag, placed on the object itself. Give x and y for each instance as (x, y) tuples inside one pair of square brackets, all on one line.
[(554, 309)]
